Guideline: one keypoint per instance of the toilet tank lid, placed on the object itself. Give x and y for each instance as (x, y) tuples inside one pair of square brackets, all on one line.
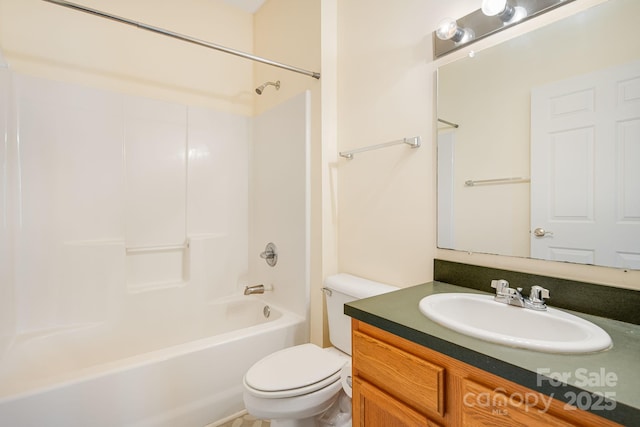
[(357, 287)]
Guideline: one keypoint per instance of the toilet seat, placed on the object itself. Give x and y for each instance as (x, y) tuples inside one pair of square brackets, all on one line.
[(294, 371)]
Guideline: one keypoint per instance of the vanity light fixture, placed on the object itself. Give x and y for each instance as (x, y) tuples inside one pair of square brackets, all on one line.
[(494, 16), (504, 10), (448, 29)]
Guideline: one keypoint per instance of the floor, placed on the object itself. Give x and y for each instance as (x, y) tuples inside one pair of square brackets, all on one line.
[(246, 421)]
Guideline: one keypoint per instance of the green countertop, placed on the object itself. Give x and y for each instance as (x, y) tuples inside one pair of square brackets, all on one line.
[(614, 373)]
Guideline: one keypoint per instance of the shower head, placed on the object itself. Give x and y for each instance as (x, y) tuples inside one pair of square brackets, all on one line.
[(260, 88)]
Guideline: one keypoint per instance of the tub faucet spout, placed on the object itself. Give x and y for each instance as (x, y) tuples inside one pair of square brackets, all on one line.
[(256, 289)]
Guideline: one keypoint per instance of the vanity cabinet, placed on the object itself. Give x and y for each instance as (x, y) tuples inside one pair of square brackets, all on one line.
[(399, 383)]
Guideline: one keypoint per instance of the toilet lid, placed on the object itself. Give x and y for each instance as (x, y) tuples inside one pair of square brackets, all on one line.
[(285, 372)]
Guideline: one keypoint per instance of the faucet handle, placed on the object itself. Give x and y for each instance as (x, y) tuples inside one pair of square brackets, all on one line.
[(500, 286), (536, 298), (538, 294)]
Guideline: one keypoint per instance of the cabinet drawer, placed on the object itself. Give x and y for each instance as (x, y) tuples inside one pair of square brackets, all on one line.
[(484, 406), (408, 378), (375, 408)]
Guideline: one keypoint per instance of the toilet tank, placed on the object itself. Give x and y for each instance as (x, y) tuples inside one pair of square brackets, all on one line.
[(344, 288)]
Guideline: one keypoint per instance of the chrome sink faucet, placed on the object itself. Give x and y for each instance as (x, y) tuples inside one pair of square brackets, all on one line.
[(511, 296)]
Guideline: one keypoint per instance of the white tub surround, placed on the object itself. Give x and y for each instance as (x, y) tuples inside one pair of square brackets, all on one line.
[(127, 239)]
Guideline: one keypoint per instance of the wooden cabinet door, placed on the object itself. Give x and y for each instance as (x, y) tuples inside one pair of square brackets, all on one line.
[(374, 408)]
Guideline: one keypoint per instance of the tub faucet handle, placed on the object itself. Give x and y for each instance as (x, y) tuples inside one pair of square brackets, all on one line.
[(270, 254)]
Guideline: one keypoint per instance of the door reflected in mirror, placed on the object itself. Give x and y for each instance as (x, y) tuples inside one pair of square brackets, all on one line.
[(545, 162)]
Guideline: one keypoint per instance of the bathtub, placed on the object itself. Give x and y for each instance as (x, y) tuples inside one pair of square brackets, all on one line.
[(174, 371)]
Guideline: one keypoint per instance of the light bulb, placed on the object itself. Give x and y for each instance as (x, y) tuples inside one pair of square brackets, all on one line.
[(493, 7), (503, 10), (448, 30)]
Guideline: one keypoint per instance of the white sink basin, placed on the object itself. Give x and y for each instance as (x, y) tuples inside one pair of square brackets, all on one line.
[(551, 331)]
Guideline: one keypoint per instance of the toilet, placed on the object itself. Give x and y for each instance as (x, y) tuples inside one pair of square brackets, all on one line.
[(305, 385)]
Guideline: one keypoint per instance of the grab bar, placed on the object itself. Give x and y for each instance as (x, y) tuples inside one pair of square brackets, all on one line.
[(514, 180), (138, 249), (412, 142)]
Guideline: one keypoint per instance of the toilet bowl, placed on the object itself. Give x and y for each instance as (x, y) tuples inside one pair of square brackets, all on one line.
[(305, 385), (297, 383)]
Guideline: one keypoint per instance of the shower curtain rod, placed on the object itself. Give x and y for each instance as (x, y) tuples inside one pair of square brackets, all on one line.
[(183, 37)]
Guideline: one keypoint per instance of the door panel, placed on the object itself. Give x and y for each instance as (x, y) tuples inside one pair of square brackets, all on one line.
[(585, 173)]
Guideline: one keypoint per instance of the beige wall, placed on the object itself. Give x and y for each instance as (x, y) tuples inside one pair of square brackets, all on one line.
[(386, 92), (386, 214), (47, 40)]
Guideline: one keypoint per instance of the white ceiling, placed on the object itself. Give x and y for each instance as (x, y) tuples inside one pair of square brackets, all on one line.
[(250, 6)]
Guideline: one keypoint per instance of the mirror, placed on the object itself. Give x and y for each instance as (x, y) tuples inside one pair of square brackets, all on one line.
[(548, 143)]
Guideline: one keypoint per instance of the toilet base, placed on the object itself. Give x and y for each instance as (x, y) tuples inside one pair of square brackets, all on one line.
[(336, 414)]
